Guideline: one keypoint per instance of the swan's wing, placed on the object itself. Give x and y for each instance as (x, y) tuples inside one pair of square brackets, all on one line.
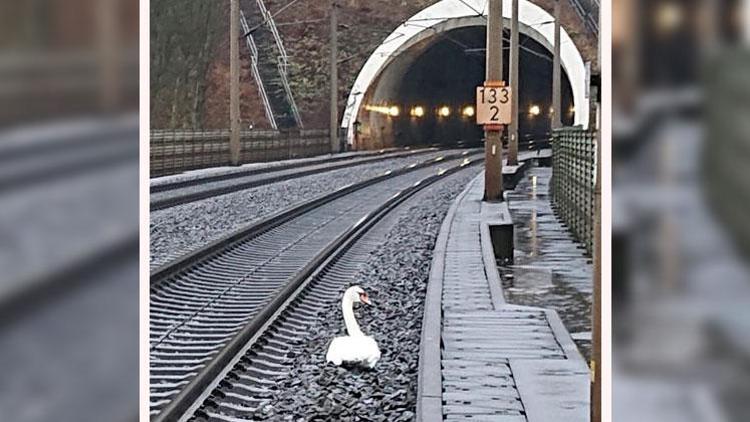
[(372, 352), (336, 351), (358, 349), (366, 351)]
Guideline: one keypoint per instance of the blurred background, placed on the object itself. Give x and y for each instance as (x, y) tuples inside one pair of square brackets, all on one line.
[(69, 210), (681, 202)]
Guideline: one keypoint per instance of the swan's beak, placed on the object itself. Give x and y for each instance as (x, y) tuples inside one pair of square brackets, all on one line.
[(365, 299)]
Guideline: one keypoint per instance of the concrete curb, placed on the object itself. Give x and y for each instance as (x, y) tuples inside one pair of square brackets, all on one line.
[(497, 214), (490, 266), (429, 382), (563, 337), (429, 379), (551, 382), (511, 179)]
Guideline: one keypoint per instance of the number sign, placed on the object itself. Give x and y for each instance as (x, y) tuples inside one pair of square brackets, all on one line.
[(493, 105)]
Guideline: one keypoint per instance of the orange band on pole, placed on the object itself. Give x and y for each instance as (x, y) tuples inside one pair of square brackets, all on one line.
[(494, 84)]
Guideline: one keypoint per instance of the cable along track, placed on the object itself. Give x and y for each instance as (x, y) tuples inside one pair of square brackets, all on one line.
[(199, 304)]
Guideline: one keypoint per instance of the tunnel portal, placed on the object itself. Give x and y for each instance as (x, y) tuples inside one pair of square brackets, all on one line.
[(426, 96)]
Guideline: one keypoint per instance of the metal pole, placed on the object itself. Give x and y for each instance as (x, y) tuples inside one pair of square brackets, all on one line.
[(493, 148), (596, 311), (514, 58), (596, 314), (335, 145), (234, 82), (556, 83)]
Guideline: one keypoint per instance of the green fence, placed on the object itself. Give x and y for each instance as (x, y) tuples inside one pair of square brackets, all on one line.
[(726, 153), (181, 150), (573, 180)]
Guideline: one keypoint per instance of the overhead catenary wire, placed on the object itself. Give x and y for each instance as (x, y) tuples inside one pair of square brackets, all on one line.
[(302, 22), (394, 36), (472, 8), (403, 23)]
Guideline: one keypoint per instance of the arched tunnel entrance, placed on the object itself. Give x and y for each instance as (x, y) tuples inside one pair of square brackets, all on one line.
[(416, 87), (433, 100)]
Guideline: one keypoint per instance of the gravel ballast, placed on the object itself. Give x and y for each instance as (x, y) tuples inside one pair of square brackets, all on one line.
[(181, 229), (192, 175), (395, 276)]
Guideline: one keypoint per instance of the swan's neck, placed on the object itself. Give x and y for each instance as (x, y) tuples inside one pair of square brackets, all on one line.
[(347, 305)]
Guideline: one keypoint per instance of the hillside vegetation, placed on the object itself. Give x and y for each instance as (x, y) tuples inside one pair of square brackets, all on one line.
[(190, 55)]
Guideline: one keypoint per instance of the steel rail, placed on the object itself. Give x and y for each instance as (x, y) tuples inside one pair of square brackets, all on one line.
[(282, 167), (190, 397), (187, 198), (49, 168), (172, 268), (199, 309)]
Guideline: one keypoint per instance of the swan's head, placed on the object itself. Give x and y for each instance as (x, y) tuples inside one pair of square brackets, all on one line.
[(357, 295)]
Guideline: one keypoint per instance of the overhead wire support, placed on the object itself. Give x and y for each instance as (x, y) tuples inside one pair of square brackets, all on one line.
[(514, 85), (493, 147), (334, 133), (234, 83)]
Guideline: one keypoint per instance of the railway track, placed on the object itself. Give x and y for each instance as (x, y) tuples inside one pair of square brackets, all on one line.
[(179, 183), (164, 271), (69, 218), (169, 195), (29, 157), (206, 309)]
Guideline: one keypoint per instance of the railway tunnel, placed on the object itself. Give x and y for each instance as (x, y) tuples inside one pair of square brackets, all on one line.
[(433, 101), (418, 87)]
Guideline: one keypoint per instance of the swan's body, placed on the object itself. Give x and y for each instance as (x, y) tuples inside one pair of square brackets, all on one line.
[(362, 350), (355, 348)]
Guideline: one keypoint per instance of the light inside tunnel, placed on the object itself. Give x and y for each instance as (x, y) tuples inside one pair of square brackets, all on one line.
[(392, 111), (534, 110), (434, 85), (417, 111)]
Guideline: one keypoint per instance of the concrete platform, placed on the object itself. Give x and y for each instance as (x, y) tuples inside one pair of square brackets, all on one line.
[(482, 358)]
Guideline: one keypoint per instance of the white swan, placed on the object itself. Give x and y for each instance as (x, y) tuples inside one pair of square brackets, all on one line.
[(356, 347)]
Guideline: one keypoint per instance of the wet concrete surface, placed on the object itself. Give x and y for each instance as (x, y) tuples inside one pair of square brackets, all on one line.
[(680, 312), (550, 268)]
